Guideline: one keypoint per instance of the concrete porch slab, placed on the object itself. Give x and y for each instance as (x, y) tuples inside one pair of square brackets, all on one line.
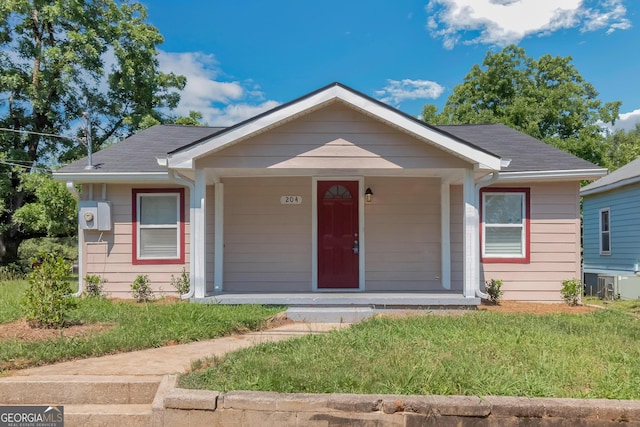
[(374, 300)]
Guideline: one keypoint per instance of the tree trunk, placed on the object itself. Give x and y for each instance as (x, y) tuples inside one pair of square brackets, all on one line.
[(9, 243)]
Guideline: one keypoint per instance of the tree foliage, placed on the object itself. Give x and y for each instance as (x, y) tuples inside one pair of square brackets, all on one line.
[(58, 59), (623, 146), (546, 98)]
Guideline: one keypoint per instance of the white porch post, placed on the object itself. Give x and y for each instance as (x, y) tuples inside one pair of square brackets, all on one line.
[(445, 236), (199, 233), (218, 260), (471, 265)]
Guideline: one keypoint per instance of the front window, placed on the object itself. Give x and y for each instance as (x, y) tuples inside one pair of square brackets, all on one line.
[(605, 231), (158, 221), (505, 234)]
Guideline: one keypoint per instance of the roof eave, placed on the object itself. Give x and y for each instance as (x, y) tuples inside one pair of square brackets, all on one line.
[(116, 177), (607, 187), (553, 175)]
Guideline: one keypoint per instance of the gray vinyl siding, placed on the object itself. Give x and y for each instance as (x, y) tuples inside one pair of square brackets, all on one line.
[(624, 205)]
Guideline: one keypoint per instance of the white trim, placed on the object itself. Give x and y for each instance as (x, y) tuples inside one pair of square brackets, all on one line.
[(81, 178), (198, 233), (555, 175), (611, 186), (445, 234), (600, 232), (218, 258), (471, 254), (608, 272), (314, 233), (184, 158), (139, 226)]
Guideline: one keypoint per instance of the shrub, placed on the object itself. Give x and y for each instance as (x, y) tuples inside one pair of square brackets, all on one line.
[(13, 271), (141, 290), (571, 291), (94, 285), (47, 301), (493, 290), (182, 283)]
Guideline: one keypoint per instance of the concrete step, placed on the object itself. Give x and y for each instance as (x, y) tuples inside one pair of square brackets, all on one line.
[(107, 415), (329, 314), (78, 390)]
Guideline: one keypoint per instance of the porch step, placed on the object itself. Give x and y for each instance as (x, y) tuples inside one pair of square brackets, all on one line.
[(329, 314)]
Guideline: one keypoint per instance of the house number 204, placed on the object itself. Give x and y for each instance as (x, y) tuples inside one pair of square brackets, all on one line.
[(291, 200)]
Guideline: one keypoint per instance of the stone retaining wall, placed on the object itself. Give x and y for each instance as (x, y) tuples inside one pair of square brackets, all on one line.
[(243, 408)]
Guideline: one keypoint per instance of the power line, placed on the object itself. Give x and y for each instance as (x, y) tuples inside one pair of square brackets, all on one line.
[(38, 133)]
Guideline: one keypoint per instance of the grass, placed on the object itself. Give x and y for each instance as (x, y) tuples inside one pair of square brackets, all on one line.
[(135, 326), (481, 353), (629, 306)]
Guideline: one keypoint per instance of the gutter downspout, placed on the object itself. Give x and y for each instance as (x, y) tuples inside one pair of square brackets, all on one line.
[(483, 182), (179, 179), (71, 187)]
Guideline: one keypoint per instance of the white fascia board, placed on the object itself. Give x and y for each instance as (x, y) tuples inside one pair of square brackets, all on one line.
[(80, 178), (607, 187), (319, 99), (554, 175)]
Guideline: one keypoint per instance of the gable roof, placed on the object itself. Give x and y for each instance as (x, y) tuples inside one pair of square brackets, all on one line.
[(148, 154), (183, 158), (626, 175), (527, 153), (138, 154)]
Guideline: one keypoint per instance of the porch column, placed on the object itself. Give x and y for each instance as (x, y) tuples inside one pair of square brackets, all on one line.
[(471, 264), (445, 236), (198, 234), (218, 260)]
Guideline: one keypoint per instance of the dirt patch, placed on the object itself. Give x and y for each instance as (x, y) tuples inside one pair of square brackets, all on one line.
[(21, 330), (536, 308)]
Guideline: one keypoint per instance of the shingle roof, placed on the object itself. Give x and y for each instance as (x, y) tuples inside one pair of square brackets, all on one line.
[(527, 154), (138, 153), (628, 174)]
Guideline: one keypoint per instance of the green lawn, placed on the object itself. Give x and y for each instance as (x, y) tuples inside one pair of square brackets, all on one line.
[(630, 306), (595, 355), (134, 326)]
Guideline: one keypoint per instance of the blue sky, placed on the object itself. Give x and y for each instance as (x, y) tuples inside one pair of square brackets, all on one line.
[(243, 57)]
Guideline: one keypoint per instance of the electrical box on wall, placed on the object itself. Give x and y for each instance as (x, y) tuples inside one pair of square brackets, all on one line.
[(93, 215)]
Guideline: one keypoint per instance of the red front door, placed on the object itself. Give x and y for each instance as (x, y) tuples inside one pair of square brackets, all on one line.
[(338, 242)]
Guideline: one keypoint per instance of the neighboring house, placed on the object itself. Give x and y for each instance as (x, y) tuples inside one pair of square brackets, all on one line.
[(333, 198), (611, 222)]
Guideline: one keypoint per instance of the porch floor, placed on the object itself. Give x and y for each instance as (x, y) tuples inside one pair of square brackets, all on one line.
[(347, 307), (416, 300)]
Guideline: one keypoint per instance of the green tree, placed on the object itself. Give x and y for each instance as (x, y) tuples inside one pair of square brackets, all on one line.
[(546, 98), (624, 146), (58, 59)]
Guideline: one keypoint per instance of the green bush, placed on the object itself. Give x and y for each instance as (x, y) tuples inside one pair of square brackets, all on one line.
[(182, 283), (13, 271), (94, 285), (47, 301), (571, 291), (141, 290), (493, 290)]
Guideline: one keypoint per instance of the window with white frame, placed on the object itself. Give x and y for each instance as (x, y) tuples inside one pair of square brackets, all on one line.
[(605, 231), (505, 224), (158, 216)]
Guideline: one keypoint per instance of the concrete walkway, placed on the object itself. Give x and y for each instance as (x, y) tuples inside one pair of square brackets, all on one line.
[(176, 358), (126, 388)]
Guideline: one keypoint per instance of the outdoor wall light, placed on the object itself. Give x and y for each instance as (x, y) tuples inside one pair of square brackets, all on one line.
[(368, 194)]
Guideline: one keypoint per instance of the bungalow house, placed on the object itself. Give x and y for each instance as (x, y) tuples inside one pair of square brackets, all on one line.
[(611, 218), (333, 198)]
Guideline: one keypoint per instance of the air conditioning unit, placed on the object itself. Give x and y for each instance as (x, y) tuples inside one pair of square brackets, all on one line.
[(606, 287), (94, 215)]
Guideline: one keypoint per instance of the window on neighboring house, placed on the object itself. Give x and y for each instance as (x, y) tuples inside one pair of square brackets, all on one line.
[(158, 226), (505, 225), (605, 231)]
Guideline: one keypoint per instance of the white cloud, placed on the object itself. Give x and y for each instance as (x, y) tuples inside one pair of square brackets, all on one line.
[(502, 22), (397, 91), (626, 121), (221, 102)]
